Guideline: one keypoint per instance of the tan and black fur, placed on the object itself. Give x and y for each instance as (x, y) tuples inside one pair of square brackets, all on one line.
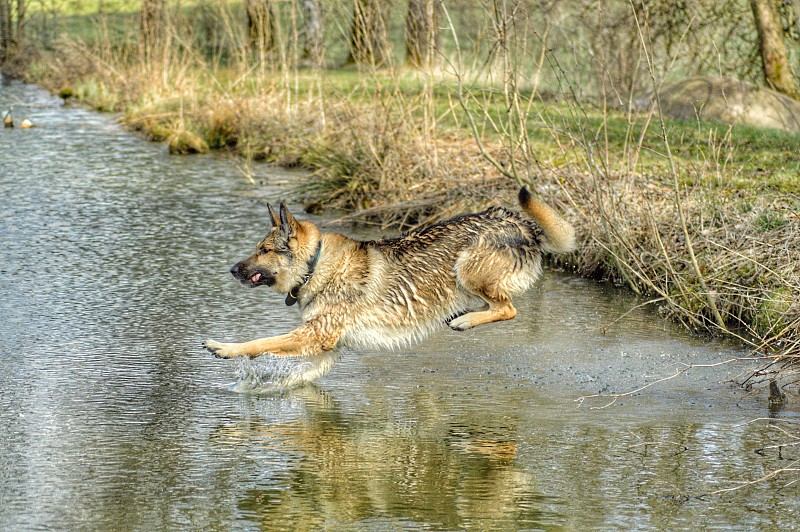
[(386, 292)]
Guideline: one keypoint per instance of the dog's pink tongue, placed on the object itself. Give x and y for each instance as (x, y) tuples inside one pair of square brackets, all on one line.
[(255, 278)]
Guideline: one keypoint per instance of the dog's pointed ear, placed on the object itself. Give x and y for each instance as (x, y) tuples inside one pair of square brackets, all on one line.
[(288, 223), (276, 221)]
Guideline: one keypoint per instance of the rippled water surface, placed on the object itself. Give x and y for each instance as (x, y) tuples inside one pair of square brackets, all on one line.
[(114, 269)]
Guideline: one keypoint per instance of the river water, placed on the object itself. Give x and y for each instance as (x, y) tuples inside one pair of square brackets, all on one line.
[(114, 269)]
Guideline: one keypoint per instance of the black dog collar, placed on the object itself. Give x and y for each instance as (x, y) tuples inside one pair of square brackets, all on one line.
[(294, 293)]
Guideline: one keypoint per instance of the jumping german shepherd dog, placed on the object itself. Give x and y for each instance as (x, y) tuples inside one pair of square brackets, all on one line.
[(391, 291)]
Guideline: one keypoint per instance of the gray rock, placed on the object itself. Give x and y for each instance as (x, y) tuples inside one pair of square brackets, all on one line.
[(728, 100)]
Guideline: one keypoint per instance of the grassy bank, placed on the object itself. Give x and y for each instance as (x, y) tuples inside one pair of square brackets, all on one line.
[(702, 219)]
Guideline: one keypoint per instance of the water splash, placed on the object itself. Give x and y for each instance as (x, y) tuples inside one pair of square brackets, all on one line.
[(271, 374)]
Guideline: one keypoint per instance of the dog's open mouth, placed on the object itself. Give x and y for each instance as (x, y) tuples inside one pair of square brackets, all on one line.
[(252, 276), (258, 279)]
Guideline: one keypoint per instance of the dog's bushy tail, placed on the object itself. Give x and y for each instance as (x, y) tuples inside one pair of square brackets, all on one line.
[(559, 235)]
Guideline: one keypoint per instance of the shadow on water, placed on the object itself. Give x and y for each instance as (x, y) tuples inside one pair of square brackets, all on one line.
[(115, 269)]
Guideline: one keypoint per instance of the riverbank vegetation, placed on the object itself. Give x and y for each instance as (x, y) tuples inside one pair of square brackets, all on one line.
[(408, 113)]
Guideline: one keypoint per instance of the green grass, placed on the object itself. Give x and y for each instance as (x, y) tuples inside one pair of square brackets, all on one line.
[(77, 8), (742, 157), (746, 156)]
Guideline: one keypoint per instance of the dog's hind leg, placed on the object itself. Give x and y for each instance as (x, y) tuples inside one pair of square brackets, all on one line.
[(482, 273), (499, 309)]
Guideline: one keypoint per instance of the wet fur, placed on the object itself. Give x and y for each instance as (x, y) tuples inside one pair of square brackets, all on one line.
[(388, 292)]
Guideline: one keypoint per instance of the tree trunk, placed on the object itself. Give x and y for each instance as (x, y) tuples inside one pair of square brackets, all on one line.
[(777, 73), (260, 26), (422, 31), (5, 29), (313, 49), (12, 27), (19, 37), (153, 29), (369, 42)]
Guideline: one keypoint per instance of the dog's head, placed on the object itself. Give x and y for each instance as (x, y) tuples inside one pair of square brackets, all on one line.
[(281, 258)]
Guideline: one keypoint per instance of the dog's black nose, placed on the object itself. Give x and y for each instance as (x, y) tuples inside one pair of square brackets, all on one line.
[(235, 269)]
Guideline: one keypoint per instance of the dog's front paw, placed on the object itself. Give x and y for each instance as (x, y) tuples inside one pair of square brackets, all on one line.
[(219, 349)]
